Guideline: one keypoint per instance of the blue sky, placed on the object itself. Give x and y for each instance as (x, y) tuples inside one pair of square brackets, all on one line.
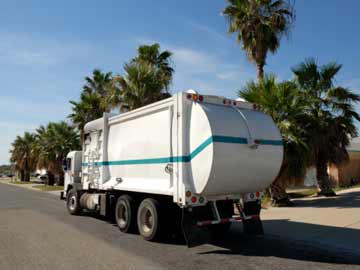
[(48, 47)]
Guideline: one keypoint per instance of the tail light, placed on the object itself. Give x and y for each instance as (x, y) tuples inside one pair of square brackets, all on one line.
[(195, 97)]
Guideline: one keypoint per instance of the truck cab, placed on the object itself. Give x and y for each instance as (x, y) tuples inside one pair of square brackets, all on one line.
[(72, 169)]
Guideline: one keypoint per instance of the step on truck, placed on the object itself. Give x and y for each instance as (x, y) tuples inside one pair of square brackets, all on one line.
[(190, 163)]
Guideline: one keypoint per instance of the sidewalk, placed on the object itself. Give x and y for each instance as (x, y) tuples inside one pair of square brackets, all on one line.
[(329, 222), (30, 186)]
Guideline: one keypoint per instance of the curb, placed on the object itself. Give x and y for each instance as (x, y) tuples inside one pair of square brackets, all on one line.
[(30, 187)]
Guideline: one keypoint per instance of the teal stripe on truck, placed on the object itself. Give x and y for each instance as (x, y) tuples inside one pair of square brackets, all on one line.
[(188, 158)]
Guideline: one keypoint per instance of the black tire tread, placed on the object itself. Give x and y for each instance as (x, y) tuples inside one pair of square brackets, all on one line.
[(156, 235), (133, 210), (78, 209)]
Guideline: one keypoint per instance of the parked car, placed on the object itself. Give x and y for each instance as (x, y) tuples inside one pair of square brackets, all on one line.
[(42, 178)]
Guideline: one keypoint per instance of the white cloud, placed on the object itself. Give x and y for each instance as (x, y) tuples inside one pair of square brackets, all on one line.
[(33, 109), (192, 60), (207, 30), (19, 115), (28, 58), (25, 50), (226, 75), (9, 130), (30, 101)]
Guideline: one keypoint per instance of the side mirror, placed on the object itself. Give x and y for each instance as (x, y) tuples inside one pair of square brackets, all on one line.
[(64, 165)]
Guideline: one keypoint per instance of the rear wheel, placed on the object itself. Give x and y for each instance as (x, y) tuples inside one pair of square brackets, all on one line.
[(148, 218), (73, 202), (125, 213)]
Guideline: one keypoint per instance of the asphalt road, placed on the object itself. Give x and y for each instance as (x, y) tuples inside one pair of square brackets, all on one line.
[(36, 232)]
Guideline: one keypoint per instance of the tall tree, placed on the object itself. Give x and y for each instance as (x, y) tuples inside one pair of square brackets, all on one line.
[(23, 155), (140, 86), (54, 142), (259, 25), (332, 116), (147, 78), (160, 60), (87, 109), (286, 105), (99, 84), (94, 99)]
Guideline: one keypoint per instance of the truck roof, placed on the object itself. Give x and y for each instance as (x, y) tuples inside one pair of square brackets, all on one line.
[(212, 99)]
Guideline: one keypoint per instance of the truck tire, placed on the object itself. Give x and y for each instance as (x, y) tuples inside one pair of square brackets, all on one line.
[(148, 218), (253, 226), (73, 202), (125, 213)]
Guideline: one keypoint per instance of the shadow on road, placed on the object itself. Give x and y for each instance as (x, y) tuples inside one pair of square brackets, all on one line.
[(236, 243)]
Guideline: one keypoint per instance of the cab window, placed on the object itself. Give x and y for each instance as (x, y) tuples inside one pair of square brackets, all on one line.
[(68, 164)]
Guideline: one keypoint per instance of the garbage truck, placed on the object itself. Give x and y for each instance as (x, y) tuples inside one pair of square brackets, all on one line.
[(193, 163)]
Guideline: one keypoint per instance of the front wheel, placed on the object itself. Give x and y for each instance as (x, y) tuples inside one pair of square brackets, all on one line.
[(73, 202), (148, 219)]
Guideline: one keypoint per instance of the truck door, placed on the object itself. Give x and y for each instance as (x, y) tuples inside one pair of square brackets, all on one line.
[(67, 171)]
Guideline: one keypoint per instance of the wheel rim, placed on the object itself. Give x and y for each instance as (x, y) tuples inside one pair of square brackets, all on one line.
[(147, 220), (72, 203), (122, 215)]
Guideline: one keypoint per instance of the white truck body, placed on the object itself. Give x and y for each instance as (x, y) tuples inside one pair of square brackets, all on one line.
[(210, 147)]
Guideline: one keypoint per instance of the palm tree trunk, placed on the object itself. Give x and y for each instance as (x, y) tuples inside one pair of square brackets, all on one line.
[(278, 191), (27, 176), (22, 175), (260, 68), (322, 177), (51, 178), (279, 197)]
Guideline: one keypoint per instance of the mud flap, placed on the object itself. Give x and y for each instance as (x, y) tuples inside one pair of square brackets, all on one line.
[(253, 226), (194, 235)]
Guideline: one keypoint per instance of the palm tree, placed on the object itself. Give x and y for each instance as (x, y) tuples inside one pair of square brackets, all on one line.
[(147, 79), (151, 54), (259, 25), (87, 109), (99, 84), (286, 105), (140, 86), (54, 142), (331, 112), (23, 156)]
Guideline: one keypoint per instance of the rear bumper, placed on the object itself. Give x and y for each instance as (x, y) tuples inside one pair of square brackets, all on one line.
[(197, 230)]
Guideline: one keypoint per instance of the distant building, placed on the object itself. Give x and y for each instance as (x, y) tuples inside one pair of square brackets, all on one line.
[(343, 175), (348, 173)]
